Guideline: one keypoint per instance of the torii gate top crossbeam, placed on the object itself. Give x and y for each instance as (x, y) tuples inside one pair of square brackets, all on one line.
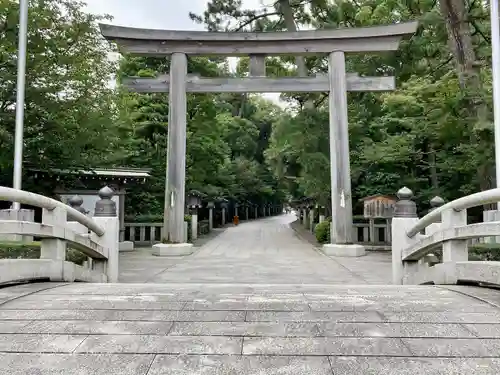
[(150, 42)]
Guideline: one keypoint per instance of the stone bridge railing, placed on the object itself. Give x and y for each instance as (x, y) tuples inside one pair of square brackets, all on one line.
[(63, 226), (415, 242)]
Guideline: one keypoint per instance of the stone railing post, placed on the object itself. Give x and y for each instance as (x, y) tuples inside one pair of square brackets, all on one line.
[(256, 211), (210, 206), (405, 216), (246, 212), (105, 216), (488, 217), (17, 215), (223, 216), (53, 248), (454, 250), (430, 259), (435, 202), (76, 202)]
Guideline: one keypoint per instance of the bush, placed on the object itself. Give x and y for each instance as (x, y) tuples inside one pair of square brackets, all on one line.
[(485, 252), (148, 218), (489, 252), (31, 250), (322, 232)]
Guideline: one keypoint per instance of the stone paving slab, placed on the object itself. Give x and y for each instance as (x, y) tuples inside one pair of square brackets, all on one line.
[(325, 346), (81, 364), (160, 344), (255, 300), (261, 251), (126, 340), (412, 366)]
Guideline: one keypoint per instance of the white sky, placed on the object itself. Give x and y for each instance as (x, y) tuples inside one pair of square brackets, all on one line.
[(161, 14)]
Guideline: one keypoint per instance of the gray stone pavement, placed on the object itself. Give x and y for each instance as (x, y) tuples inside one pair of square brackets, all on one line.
[(261, 251), (188, 328), (253, 301)]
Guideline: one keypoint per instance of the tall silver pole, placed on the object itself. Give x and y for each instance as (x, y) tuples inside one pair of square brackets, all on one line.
[(495, 54), (21, 79)]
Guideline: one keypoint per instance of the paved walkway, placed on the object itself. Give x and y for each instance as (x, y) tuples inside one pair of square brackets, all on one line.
[(254, 301), (264, 251)]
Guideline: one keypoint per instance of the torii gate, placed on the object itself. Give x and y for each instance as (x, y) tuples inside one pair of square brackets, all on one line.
[(335, 43)]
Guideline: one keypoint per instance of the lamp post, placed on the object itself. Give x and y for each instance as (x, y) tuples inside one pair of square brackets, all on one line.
[(21, 83), (495, 57)]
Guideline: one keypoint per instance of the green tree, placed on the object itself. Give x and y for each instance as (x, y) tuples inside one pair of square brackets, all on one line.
[(69, 102)]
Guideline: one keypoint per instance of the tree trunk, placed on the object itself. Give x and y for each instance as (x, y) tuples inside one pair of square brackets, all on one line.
[(460, 42), (290, 24), (287, 11), (433, 169)]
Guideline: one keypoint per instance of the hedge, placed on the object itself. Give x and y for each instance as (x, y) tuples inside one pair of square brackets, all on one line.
[(322, 231), (31, 250), (484, 252), (148, 218)]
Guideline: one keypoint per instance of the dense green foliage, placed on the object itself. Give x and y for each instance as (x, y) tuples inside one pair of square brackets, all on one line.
[(75, 119), (69, 106), (433, 134), (322, 232), (31, 250)]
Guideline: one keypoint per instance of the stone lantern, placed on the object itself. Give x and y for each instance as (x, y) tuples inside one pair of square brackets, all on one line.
[(256, 210), (193, 203), (223, 205), (76, 202), (246, 205), (307, 204), (236, 218), (210, 206), (194, 200)]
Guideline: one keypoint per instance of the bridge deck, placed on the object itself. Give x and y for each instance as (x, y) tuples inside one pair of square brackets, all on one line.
[(246, 306)]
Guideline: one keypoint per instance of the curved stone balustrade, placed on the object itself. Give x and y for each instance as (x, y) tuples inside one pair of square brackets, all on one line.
[(430, 242), (37, 200), (96, 238), (77, 241), (14, 270), (445, 228)]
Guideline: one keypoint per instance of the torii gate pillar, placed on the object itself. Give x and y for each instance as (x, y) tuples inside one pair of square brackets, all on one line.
[(340, 166), (173, 220)]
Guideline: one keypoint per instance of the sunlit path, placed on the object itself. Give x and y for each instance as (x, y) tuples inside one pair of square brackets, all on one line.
[(265, 251)]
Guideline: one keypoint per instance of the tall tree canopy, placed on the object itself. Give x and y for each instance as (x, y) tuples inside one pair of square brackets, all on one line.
[(434, 133), (69, 105)]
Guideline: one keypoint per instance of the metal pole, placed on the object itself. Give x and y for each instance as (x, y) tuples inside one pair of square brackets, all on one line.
[(21, 78), (495, 54)]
